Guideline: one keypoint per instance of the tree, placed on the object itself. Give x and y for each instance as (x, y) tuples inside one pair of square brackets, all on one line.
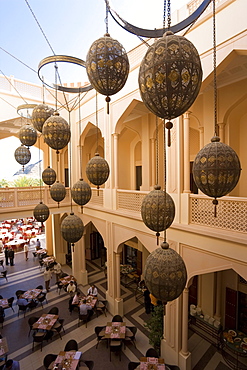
[(23, 181), (155, 326), (3, 183)]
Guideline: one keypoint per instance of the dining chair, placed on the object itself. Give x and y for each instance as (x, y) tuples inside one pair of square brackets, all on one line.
[(1, 297), (101, 307), (59, 286), (40, 287), (48, 360), (58, 326), (41, 298), (53, 311), (34, 255), (2, 320), (117, 318), (151, 352), (23, 309), (19, 292), (3, 274), (90, 364), (1, 263), (99, 331), (130, 335), (172, 367), (32, 320), (83, 318), (10, 303), (71, 345), (116, 346), (133, 365), (38, 337)]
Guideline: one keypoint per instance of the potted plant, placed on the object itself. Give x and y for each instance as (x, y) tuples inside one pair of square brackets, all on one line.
[(155, 327)]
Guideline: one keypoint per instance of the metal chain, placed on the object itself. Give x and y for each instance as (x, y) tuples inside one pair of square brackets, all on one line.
[(97, 138), (214, 66), (107, 13), (157, 152), (164, 129), (164, 19), (168, 14)]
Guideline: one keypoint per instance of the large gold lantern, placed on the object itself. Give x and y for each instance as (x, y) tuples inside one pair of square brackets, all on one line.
[(107, 66), (40, 114), (41, 212), (22, 155), (56, 132), (49, 176), (170, 77), (81, 192), (58, 192), (158, 210), (216, 169), (72, 228), (28, 135), (165, 273), (97, 170)]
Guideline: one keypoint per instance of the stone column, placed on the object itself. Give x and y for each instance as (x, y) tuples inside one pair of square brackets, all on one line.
[(186, 152), (115, 149), (153, 164), (79, 262), (59, 244), (118, 299), (217, 315), (184, 348), (222, 132), (201, 129), (145, 154)]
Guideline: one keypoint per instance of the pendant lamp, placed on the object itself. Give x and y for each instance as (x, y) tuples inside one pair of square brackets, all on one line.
[(27, 135), (40, 114), (41, 212), (56, 132), (58, 192), (49, 176), (22, 155)]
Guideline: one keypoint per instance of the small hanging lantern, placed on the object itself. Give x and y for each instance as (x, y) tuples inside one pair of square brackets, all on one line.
[(72, 228), (58, 192), (97, 170), (170, 77), (49, 176), (165, 273), (81, 192), (40, 114), (158, 210), (41, 212), (22, 155), (28, 135), (216, 169), (107, 66), (56, 132)]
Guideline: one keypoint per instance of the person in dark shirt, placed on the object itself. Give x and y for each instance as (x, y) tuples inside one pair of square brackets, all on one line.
[(11, 256)]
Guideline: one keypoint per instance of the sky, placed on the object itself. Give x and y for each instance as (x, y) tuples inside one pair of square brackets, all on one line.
[(31, 30)]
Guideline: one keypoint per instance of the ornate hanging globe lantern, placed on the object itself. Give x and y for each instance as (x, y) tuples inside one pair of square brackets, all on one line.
[(81, 192), (72, 228), (40, 114), (41, 212), (97, 170), (22, 155), (158, 210), (107, 66), (56, 132), (28, 135), (49, 176), (165, 273), (170, 77), (58, 192), (216, 169)]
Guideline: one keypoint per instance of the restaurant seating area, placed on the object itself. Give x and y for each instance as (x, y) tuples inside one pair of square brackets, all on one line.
[(26, 278)]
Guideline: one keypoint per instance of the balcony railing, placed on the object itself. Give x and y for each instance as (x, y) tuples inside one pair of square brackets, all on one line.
[(231, 213)]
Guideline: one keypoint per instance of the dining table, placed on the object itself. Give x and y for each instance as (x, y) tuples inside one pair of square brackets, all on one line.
[(90, 300), (115, 330), (48, 260), (45, 322), (67, 279), (3, 350), (32, 293), (234, 342), (152, 363), (66, 360), (4, 303)]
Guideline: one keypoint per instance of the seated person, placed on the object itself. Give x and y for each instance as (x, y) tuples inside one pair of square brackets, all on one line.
[(71, 288), (92, 291), (11, 365), (24, 302), (74, 301), (85, 308)]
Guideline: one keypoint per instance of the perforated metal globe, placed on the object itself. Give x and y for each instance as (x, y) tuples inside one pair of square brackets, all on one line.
[(49, 176), (81, 192), (170, 76), (56, 132), (41, 212), (22, 155), (216, 169), (165, 273), (27, 135), (72, 228), (58, 191), (97, 170), (40, 114), (107, 65), (158, 210)]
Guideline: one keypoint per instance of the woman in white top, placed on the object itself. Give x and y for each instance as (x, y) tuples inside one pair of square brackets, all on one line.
[(71, 288)]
